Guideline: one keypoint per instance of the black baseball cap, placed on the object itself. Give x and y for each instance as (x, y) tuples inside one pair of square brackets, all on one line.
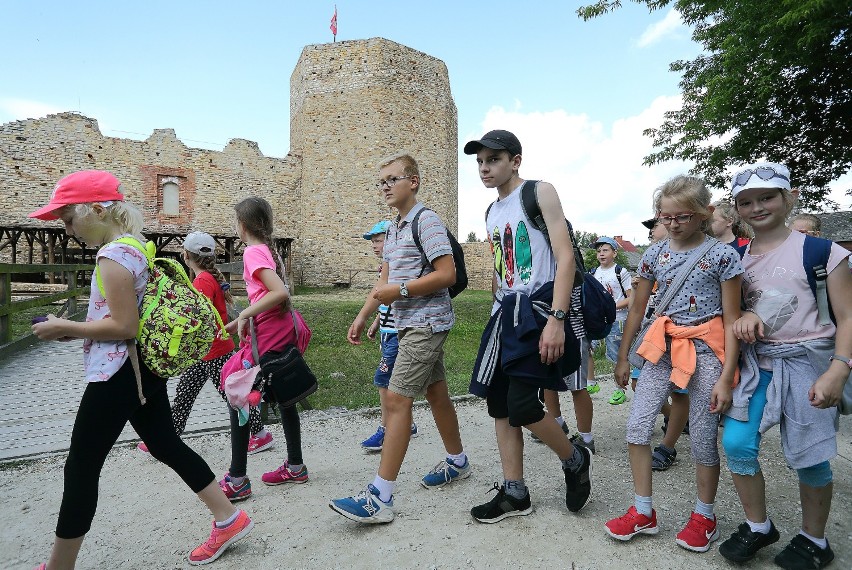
[(650, 223), (497, 140)]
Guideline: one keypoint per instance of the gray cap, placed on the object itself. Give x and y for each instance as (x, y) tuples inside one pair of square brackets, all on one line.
[(200, 243)]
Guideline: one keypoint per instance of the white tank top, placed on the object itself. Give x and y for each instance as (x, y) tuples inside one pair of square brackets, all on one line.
[(523, 260)]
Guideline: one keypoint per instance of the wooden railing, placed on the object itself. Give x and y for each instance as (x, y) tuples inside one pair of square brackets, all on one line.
[(9, 308)]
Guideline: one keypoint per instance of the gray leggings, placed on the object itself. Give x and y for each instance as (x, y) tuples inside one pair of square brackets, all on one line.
[(652, 389)]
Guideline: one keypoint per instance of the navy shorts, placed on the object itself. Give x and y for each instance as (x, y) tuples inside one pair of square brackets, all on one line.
[(390, 348)]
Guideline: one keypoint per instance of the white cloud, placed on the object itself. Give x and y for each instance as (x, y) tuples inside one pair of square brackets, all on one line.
[(20, 109), (597, 170), (669, 27)]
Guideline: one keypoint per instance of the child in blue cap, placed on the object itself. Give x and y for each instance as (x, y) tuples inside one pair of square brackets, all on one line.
[(384, 325)]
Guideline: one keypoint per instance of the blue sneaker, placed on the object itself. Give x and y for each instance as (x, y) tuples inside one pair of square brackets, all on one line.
[(445, 473), (365, 507), (375, 441)]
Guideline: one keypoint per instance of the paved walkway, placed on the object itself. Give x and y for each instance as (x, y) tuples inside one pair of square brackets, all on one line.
[(40, 390)]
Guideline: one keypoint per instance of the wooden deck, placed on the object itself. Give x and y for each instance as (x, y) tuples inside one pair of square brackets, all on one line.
[(40, 389)]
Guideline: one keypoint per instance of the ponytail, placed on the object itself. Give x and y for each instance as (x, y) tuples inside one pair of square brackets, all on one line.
[(208, 264)]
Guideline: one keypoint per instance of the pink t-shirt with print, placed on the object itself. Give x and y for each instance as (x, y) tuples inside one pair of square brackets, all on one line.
[(103, 358), (776, 288)]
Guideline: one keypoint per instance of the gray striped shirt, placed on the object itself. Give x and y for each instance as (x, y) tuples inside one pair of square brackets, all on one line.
[(405, 263)]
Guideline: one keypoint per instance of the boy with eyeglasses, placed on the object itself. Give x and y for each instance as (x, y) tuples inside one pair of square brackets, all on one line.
[(527, 347), (415, 285)]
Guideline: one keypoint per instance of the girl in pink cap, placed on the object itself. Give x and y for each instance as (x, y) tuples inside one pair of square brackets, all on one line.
[(92, 208)]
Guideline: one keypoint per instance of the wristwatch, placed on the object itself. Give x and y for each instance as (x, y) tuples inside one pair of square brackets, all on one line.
[(558, 314), (403, 290), (848, 361)]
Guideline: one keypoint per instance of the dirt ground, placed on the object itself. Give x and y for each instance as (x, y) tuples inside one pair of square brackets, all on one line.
[(147, 518)]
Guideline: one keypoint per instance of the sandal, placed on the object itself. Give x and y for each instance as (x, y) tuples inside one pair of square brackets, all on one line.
[(661, 459)]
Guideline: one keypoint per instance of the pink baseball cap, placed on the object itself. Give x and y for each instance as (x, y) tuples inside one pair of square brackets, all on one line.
[(80, 188)]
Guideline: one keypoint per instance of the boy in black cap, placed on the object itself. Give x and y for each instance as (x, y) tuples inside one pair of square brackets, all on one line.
[(527, 346)]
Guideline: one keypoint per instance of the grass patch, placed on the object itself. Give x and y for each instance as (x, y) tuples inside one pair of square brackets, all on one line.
[(345, 372)]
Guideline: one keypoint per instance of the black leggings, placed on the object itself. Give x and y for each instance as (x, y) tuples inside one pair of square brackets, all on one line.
[(240, 439), (104, 410)]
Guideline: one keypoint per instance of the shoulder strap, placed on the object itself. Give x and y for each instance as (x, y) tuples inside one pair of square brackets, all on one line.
[(415, 230), (529, 204), (815, 254), (618, 270), (149, 250), (683, 275)]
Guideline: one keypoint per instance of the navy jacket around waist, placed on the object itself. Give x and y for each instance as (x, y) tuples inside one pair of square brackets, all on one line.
[(511, 338)]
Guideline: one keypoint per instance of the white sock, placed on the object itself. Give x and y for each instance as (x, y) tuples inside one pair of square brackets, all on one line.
[(821, 542), (644, 505), (261, 433), (385, 488), (587, 437), (762, 528), (229, 520), (561, 421), (237, 481), (459, 460), (704, 509)]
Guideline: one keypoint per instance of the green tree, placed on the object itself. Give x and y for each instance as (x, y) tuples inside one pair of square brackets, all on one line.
[(774, 81), (471, 237), (585, 239)]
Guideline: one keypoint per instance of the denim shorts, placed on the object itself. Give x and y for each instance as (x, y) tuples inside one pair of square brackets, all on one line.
[(390, 347), (612, 340)]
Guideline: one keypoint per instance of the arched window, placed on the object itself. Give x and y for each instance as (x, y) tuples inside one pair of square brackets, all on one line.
[(171, 199)]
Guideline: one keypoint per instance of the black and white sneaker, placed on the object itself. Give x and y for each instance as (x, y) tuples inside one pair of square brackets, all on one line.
[(802, 554), (578, 485), (501, 506)]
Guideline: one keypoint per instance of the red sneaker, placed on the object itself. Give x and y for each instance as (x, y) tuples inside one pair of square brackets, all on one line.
[(235, 492), (258, 444), (698, 533), (220, 539), (143, 448), (632, 523), (284, 475)]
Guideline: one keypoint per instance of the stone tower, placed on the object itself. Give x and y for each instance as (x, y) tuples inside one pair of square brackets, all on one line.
[(353, 104)]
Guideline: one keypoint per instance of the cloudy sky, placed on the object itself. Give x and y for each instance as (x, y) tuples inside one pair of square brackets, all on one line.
[(578, 94)]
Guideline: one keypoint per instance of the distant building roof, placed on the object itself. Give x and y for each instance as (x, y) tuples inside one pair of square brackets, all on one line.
[(836, 226), (625, 244)]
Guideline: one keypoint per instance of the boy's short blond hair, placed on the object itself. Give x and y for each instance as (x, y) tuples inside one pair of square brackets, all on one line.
[(409, 165)]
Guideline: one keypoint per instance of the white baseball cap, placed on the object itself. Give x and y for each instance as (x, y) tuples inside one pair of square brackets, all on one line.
[(200, 243), (760, 175)]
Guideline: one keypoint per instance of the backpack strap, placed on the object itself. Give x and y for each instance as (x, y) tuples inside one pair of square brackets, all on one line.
[(149, 251), (618, 270), (815, 254)]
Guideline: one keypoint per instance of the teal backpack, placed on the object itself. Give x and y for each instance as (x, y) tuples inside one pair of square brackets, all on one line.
[(177, 323)]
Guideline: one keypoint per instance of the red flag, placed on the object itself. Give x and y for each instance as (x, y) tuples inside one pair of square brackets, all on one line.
[(333, 25)]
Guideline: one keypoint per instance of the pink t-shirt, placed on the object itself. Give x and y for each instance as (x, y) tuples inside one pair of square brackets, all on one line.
[(776, 288), (103, 358)]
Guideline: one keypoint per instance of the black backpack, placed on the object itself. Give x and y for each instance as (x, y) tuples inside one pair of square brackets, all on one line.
[(458, 255), (594, 307), (618, 270)]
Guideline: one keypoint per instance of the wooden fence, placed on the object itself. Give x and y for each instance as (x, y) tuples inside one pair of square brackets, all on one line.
[(10, 308)]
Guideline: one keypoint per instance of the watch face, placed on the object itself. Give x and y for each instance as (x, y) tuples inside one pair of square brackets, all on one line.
[(559, 314)]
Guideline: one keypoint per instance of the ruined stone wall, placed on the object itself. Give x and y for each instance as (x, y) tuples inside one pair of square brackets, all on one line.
[(353, 104), (37, 153), (479, 263)]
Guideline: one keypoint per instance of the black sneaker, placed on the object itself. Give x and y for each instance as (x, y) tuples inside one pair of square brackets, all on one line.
[(577, 439), (578, 485), (802, 554), (744, 544), (501, 506)]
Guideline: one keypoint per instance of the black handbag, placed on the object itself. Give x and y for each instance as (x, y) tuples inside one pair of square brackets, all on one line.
[(284, 378)]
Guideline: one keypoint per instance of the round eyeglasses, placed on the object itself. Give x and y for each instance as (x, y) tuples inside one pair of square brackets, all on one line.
[(390, 182)]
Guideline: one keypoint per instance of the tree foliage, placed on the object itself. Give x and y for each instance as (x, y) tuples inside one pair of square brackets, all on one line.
[(471, 237), (774, 82)]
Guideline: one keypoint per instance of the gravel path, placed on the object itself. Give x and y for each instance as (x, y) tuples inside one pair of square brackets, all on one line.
[(149, 519)]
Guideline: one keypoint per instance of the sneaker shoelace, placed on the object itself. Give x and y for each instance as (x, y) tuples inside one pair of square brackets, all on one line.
[(442, 467)]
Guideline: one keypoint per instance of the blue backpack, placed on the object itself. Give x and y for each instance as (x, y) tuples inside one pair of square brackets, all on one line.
[(592, 312)]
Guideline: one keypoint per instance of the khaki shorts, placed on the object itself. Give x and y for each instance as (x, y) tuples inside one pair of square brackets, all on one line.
[(420, 361)]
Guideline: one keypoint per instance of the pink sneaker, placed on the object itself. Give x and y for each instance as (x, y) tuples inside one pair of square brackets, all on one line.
[(235, 492), (220, 539), (42, 566), (284, 475), (258, 444)]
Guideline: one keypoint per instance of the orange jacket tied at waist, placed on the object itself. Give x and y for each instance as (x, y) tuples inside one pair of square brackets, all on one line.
[(682, 348)]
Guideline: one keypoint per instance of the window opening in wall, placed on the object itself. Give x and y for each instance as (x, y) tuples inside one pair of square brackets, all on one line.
[(171, 199)]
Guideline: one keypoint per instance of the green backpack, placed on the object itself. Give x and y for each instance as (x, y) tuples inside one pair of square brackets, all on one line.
[(177, 323)]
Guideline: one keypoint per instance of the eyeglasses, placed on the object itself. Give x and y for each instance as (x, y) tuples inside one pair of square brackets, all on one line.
[(680, 219), (390, 182), (762, 172)]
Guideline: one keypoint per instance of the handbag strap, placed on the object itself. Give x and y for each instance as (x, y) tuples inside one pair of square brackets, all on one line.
[(254, 352), (683, 275)]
